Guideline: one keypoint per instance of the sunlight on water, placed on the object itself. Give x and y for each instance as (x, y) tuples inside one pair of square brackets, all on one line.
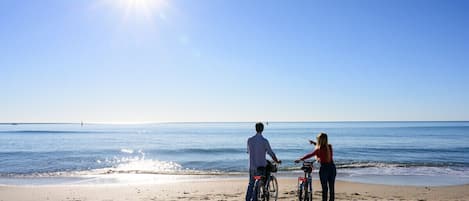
[(148, 165)]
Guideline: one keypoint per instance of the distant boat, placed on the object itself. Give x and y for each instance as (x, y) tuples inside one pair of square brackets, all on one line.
[(81, 123)]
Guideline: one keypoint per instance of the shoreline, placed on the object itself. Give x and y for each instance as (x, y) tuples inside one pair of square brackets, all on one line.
[(229, 189), (148, 178)]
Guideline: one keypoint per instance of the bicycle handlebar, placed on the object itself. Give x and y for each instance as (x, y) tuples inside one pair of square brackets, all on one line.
[(273, 162)]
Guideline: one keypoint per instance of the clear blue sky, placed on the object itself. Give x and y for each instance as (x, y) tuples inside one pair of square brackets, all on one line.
[(153, 61)]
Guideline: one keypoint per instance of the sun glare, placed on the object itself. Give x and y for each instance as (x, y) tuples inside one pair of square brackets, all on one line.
[(140, 9)]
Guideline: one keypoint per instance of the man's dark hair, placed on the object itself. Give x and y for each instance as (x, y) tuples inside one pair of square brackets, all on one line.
[(259, 127)]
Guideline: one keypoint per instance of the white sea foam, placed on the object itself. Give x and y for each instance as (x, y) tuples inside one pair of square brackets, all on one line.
[(397, 170), (129, 151)]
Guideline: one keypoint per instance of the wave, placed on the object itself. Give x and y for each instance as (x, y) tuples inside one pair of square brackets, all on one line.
[(394, 170), (140, 165), (371, 164)]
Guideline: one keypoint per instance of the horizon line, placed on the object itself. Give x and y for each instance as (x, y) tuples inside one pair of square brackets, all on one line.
[(168, 122)]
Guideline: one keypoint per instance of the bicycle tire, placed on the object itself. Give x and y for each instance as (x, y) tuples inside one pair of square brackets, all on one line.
[(310, 193), (307, 193), (300, 192), (273, 189), (260, 193), (255, 190)]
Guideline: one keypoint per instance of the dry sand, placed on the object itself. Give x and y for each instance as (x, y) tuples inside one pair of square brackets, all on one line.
[(222, 189)]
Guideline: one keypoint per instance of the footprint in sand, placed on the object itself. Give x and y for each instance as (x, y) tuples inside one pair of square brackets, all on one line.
[(289, 192)]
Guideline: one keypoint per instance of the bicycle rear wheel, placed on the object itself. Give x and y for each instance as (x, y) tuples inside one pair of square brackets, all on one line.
[(261, 192), (273, 189)]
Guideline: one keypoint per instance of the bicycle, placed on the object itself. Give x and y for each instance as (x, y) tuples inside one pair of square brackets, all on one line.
[(305, 184), (266, 185)]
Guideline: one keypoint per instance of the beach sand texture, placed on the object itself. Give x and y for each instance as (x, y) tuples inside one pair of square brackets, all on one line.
[(223, 189)]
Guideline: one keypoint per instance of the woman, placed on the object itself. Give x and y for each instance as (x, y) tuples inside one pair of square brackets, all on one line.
[(327, 172)]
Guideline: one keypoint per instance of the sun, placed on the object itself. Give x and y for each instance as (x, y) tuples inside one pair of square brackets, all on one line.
[(139, 9)]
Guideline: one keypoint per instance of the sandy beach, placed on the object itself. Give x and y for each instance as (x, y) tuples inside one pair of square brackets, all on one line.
[(222, 189)]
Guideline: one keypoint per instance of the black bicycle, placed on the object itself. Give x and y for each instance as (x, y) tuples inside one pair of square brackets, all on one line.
[(265, 185), (305, 183)]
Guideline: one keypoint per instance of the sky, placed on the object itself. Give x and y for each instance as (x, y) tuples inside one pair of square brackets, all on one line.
[(132, 61)]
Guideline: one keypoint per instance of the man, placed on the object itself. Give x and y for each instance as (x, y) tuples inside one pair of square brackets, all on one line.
[(258, 146)]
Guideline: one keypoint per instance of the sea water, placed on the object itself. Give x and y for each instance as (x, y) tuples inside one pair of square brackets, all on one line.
[(402, 153)]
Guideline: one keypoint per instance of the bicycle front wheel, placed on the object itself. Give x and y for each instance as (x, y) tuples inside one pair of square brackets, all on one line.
[(273, 189), (308, 194), (300, 192)]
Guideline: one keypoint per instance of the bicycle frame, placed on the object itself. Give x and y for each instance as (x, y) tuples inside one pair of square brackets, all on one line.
[(305, 185)]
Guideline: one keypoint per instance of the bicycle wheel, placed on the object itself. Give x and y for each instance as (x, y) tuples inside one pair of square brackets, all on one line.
[(255, 190), (306, 196), (308, 192), (300, 192), (261, 193), (273, 189)]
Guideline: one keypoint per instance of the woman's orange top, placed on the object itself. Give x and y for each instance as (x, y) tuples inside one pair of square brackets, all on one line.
[(321, 155)]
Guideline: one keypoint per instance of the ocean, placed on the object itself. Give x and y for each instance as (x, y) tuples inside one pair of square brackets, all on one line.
[(404, 153)]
